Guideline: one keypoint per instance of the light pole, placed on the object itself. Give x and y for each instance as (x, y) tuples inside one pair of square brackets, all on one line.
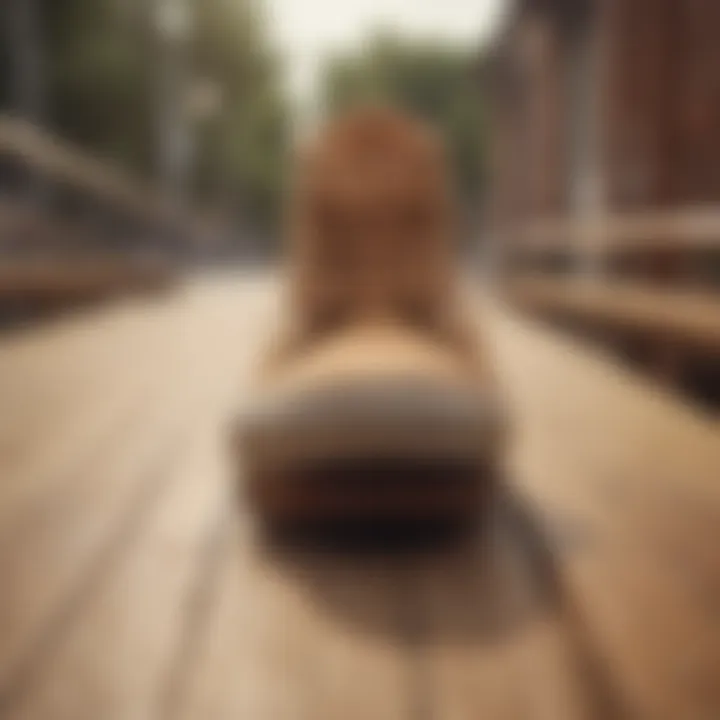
[(174, 134)]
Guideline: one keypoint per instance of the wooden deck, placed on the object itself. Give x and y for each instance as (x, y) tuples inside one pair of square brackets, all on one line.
[(133, 587)]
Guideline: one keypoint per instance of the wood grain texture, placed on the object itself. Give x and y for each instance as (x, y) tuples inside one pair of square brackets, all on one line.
[(136, 585), (634, 474), (690, 319)]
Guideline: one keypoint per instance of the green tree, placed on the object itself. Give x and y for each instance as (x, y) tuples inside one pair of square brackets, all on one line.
[(431, 79), (241, 148), (102, 77), (100, 93)]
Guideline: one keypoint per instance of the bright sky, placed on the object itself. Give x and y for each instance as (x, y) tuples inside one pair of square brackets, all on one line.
[(307, 31)]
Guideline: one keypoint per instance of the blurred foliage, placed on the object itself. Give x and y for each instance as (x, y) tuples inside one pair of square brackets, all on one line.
[(241, 149), (102, 62), (100, 92), (431, 79)]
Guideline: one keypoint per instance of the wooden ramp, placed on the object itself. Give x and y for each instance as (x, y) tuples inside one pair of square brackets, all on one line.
[(134, 586)]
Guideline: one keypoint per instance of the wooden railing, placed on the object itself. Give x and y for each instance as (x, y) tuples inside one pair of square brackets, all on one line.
[(75, 181), (690, 319), (646, 284), (680, 247), (688, 228), (71, 225)]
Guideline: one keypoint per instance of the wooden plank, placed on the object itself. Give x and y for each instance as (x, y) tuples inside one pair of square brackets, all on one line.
[(499, 642), (689, 318), (126, 600), (50, 562), (115, 660), (63, 430), (633, 475), (293, 635), (63, 365), (683, 230), (53, 562), (356, 638), (84, 586), (70, 389)]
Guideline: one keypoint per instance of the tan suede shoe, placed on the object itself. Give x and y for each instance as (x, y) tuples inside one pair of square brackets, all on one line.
[(377, 401)]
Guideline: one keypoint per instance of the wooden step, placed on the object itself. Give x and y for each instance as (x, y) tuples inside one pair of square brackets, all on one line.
[(690, 319)]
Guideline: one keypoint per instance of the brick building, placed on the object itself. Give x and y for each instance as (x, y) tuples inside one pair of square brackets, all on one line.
[(606, 167), (606, 105)]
